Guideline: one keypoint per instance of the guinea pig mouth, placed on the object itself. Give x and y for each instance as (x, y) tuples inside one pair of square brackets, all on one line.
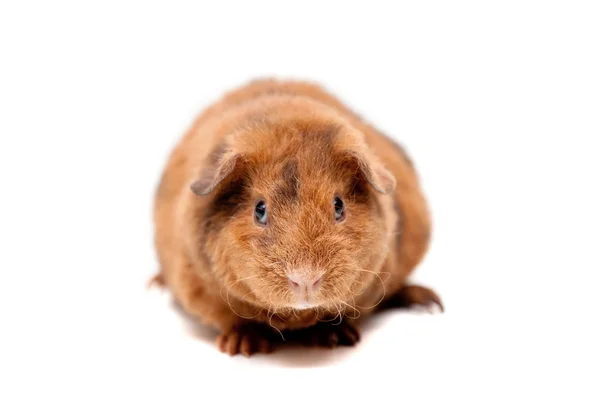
[(303, 306)]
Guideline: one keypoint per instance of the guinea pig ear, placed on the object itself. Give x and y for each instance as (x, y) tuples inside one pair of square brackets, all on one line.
[(221, 164), (375, 173)]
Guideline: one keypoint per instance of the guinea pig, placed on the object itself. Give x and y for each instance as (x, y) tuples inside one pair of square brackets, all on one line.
[(283, 214)]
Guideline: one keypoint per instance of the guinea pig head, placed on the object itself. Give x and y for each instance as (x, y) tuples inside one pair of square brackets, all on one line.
[(291, 216)]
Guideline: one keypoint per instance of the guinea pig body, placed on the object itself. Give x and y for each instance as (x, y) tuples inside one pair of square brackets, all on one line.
[(282, 211)]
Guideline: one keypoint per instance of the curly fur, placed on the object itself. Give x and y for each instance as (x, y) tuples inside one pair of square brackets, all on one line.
[(296, 147)]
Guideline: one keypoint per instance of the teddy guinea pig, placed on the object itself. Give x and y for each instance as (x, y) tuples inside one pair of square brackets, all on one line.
[(282, 215)]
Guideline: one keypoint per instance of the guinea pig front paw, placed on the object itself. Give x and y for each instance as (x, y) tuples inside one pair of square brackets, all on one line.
[(327, 334), (247, 339)]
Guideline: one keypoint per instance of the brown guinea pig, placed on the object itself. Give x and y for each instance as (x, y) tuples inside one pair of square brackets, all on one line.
[(282, 214)]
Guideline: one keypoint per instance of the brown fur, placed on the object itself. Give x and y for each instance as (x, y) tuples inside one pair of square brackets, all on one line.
[(294, 146)]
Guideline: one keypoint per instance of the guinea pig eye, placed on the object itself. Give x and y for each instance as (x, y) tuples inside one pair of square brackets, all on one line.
[(338, 206), (260, 212)]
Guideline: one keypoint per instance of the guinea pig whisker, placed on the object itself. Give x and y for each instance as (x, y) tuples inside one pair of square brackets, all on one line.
[(354, 302), (328, 320), (382, 286), (377, 274), (271, 324), (226, 299), (244, 296), (364, 287), (339, 314), (273, 289), (242, 316), (359, 283), (349, 289), (348, 306), (339, 295), (231, 287), (274, 263), (354, 309), (294, 312)]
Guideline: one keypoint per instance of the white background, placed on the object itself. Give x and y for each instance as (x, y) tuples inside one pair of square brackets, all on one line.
[(498, 103)]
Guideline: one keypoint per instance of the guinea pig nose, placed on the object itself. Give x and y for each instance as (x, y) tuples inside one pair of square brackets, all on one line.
[(305, 284)]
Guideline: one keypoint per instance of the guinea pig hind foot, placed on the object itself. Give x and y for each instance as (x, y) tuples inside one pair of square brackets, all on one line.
[(410, 296)]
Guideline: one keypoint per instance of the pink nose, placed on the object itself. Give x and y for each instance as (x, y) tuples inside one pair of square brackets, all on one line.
[(305, 284)]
